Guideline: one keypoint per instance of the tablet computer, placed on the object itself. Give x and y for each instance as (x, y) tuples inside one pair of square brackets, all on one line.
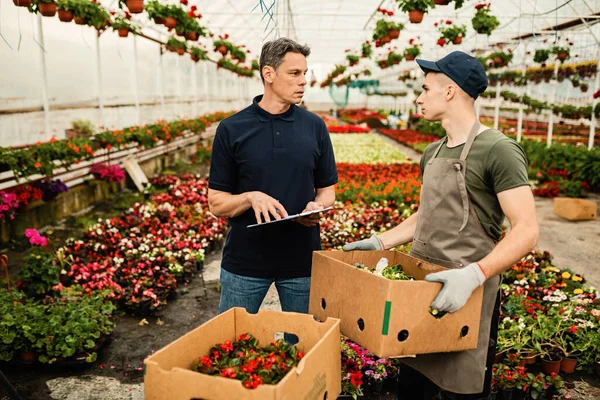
[(292, 217)]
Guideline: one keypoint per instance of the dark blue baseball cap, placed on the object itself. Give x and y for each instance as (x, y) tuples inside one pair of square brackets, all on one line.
[(465, 70)]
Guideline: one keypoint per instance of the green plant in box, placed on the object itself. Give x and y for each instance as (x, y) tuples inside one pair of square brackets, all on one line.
[(483, 21)]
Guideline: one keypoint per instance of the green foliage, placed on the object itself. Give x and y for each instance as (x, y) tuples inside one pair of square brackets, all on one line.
[(452, 32), (415, 5), (38, 273), (414, 51), (541, 55), (484, 22)]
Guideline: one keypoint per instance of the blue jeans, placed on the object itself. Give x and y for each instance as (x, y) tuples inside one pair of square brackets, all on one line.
[(249, 292)]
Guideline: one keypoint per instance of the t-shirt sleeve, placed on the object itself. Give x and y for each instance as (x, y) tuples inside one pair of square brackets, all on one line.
[(507, 166), (326, 171), (222, 174)]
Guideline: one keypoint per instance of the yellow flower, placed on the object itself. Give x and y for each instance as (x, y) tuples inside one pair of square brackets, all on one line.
[(577, 291), (577, 278), (566, 275)]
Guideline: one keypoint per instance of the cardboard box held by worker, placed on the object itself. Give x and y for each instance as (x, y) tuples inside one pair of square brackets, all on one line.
[(169, 374), (390, 318)]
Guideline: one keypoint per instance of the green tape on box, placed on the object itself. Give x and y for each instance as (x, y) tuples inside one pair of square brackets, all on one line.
[(386, 318)]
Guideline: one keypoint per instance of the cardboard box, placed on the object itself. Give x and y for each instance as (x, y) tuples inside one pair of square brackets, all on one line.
[(575, 209), (390, 318), (169, 375)]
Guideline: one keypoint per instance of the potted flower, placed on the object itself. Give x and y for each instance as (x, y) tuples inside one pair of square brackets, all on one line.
[(157, 11), (176, 46), (541, 55), (22, 3), (65, 10), (381, 32), (562, 53), (394, 58), (134, 6), (122, 25), (500, 58), (198, 54), (454, 33), (483, 21), (416, 9), (584, 87), (411, 53), (352, 59), (222, 46), (366, 50), (47, 7)]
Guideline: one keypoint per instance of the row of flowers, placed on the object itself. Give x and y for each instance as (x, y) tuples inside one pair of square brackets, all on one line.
[(347, 129), (365, 149), (44, 158)]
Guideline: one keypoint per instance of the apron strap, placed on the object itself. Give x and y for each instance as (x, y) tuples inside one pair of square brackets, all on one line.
[(437, 151), (470, 140)]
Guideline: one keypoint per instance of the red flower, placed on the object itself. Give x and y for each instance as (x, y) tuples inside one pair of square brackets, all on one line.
[(205, 360), (184, 2), (597, 94), (435, 24), (448, 22), (411, 41), (441, 42), (356, 379), (573, 329)]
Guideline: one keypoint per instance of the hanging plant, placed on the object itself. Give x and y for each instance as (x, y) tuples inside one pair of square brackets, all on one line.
[(65, 10), (46, 7), (223, 46), (156, 11), (134, 6), (410, 53), (484, 22), (562, 53), (176, 46), (394, 58), (122, 25), (366, 50), (22, 3), (452, 33), (541, 55), (352, 59), (416, 9), (91, 14), (500, 58), (198, 54)]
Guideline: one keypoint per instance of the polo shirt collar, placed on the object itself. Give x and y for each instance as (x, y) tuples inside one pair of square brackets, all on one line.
[(265, 116)]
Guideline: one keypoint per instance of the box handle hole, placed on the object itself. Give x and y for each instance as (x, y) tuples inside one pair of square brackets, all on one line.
[(464, 331), (403, 335), (325, 396), (361, 324), (323, 304)]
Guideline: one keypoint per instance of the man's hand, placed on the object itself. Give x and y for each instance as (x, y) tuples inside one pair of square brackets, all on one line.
[(373, 243), (458, 285), (311, 220), (263, 205)]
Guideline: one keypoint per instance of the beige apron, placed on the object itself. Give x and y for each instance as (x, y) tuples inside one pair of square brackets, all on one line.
[(449, 233)]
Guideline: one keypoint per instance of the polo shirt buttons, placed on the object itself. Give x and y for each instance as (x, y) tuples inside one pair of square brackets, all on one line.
[(277, 133)]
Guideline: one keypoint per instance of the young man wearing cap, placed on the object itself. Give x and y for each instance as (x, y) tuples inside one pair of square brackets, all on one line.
[(472, 179)]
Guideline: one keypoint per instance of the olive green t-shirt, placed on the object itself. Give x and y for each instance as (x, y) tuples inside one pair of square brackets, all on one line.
[(494, 164)]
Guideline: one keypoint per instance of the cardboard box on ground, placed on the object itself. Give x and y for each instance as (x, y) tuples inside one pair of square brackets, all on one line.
[(169, 373), (389, 318), (575, 209)]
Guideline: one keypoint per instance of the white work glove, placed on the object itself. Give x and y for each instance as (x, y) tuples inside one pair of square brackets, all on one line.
[(458, 283), (372, 243)]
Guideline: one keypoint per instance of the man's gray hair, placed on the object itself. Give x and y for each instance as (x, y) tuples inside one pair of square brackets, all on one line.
[(273, 52)]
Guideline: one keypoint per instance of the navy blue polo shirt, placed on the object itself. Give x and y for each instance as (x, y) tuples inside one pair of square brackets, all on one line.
[(286, 156)]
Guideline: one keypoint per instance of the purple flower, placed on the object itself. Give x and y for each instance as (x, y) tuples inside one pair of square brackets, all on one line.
[(370, 362), (381, 361), (369, 372), (384, 374), (376, 376)]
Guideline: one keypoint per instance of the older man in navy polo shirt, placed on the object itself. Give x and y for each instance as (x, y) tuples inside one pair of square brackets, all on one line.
[(270, 160)]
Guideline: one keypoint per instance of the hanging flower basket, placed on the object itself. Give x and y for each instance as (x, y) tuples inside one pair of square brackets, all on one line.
[(65, 15), (180, 51), (441, 2), (80, 21), (170, 22), (458, 40), (123, 32), (222, 49), (159, 20), (191, 36), (135, 6), (415, 16), (22, 3), (394, 34), (47, 9)]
